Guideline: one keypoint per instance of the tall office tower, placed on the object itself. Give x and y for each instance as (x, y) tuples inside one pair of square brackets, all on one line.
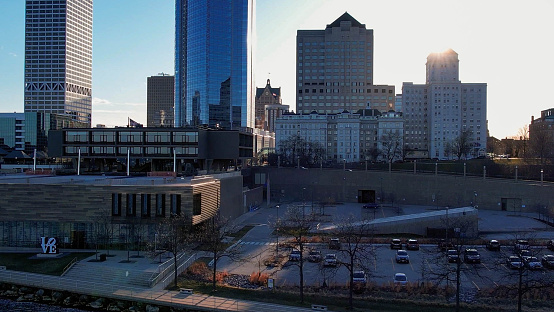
[(214, 82), (58, 58), (334, 69), (444, 110), (160, 97)]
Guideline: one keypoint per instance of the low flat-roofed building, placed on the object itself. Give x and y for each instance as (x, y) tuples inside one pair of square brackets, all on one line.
[(71, 208), (206, 149)]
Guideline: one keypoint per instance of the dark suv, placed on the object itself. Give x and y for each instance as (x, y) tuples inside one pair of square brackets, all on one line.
[(471, 255), (396, 244), (493, 245)]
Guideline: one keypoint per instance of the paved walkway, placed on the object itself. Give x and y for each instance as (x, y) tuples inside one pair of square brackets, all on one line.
[(156, 295)]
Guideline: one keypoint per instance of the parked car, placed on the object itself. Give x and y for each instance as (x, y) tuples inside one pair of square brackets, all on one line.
[(359, 277), (402, 256), (524, 254), (514, 262), (533, 263), (521, 244), (315, 256), (334, 243), (548, 261), (412, 244), (395, 244), (550, 244), (330, 260), (471, 255), (294, 255), (371, 206), (400, 279), (452, 256), (493, 245)]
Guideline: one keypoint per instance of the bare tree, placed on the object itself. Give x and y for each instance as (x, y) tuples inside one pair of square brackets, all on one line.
[(355, 248), (391, 146), (297, 225), (296, 148), (462, 144), (212, 234), (372, 153), (453, 249), (523, 134), (522, 278), (174, 235)]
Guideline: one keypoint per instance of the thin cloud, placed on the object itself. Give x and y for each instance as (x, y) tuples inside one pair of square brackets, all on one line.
[(12, 54)]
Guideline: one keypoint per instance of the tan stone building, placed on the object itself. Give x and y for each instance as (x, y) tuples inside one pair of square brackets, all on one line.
[(334, 70), (264, 97)]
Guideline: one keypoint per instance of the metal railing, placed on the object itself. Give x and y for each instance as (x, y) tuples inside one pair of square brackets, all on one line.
[(69, 266)]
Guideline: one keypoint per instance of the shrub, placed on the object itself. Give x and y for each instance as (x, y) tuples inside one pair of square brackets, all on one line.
[(258, 278), (199, 269)]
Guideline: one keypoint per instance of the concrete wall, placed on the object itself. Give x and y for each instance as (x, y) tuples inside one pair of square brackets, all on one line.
[(408, 188)]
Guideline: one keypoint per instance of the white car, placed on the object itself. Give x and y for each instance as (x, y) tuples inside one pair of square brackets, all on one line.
[(359, 277), (402, 256), (400, 279), (330, 260), (533, 263)]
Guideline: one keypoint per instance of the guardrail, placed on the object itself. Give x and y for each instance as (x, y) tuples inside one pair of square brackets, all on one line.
[(69, 266), (167, 268)]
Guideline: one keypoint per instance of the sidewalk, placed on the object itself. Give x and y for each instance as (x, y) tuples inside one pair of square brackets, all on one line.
[(156, 295)]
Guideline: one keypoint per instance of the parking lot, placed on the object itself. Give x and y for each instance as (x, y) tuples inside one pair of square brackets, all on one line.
[(427, 264)]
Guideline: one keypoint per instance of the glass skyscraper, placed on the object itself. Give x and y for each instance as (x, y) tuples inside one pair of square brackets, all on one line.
[(213, 63), (58, 58)]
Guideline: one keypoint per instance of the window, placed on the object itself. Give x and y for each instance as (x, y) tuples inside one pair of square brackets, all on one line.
[(160, 205), (116, 204), (131, 204), (175, 204), (196, 204), (145, 205)]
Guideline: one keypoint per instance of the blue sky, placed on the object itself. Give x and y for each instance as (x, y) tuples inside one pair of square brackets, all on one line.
[(505, 43)]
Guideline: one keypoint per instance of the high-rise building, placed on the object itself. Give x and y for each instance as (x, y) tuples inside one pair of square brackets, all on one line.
[(334, 70), (160, 97), (58, 58), (214, 83), (268, 106), (444, 118)]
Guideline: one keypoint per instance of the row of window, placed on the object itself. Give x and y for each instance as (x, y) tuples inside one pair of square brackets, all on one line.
[(131, 137), (132, 150), (145, 202)]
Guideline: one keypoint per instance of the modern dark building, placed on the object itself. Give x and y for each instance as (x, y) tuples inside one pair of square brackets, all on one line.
[(28, 131), (58, 58), (153, 149), (160, 96), (213, 63)]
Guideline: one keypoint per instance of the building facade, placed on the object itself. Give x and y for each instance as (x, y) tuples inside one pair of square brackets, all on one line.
[(75, 208), (28, 131), (334, 70), (58, 58), (266, 96), (160, 97), (443, 111), (541, 134), (214, 82), (347, 137), (165, 149)]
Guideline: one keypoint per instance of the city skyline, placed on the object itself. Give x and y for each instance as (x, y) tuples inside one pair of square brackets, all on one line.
[(504, 44)]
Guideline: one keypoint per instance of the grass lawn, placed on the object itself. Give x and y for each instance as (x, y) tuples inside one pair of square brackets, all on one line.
[(334, 303), (53, 266)]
